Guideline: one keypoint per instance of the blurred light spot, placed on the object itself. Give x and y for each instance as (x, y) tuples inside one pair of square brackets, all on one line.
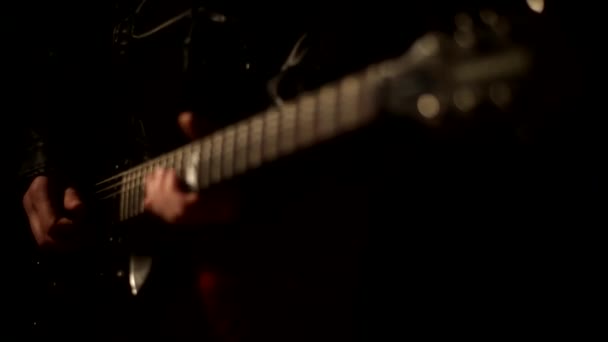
[(218, 18), (428, 106), (465, 99), (463, 22), (500, 94), (537, 6), (427, 45), (490, 18), (465, 39)]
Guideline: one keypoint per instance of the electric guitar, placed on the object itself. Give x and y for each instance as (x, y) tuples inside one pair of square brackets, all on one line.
[(440, 79), (437, 77)]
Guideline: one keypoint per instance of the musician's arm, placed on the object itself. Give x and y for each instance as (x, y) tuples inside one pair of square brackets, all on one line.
[(44, 144), (42, 122), (46, 147), (34, 159)]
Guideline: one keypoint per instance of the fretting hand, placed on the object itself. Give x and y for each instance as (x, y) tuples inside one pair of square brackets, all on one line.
[(166, 198)]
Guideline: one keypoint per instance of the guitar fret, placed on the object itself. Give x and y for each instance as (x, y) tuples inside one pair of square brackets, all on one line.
[(166, 160), (271, 135), (131, 191), (256, 128), (228, 158), (181, 159), (142, 173), (132, 194), (192, 166), (216, 157), (349, 103), (123, 196), (313, 117), (306, 120), (205, 163), (287, 142), (328, 104), (242, 136), (184, 153), (129, 195), (140, 191), (370, 79)]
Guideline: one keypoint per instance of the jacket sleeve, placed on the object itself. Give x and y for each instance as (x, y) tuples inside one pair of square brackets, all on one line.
[(26, 74), (34, 161), (39, 125), (45, 92)]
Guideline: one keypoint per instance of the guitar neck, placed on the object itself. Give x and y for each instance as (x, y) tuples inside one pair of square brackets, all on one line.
[(310, 119), (434, 70)]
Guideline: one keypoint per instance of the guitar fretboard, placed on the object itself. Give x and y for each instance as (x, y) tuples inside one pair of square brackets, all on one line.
[(312, 118), (330, 111)]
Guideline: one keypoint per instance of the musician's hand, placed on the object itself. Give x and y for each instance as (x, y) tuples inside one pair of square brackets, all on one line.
[(192, 126), (52, 224), (166, 198)]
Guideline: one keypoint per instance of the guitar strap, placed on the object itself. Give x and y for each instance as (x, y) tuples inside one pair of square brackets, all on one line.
[(293, 59)]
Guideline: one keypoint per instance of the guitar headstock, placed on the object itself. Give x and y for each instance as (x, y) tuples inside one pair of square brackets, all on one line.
[(444, 76)]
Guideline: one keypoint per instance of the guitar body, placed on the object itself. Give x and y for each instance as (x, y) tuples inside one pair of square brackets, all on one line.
[(93, 290)]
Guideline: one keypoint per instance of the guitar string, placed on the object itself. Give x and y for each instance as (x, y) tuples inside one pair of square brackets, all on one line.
[(144, 169), (137, 179), (116, 193), (128, 185), (132, 170), (133, 178), (150, 163), (202, 140), (162, 160), (137, 182), (134, 184), (139, 172)]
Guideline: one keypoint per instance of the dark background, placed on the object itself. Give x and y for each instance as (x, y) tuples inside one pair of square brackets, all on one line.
[(465, 235)]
